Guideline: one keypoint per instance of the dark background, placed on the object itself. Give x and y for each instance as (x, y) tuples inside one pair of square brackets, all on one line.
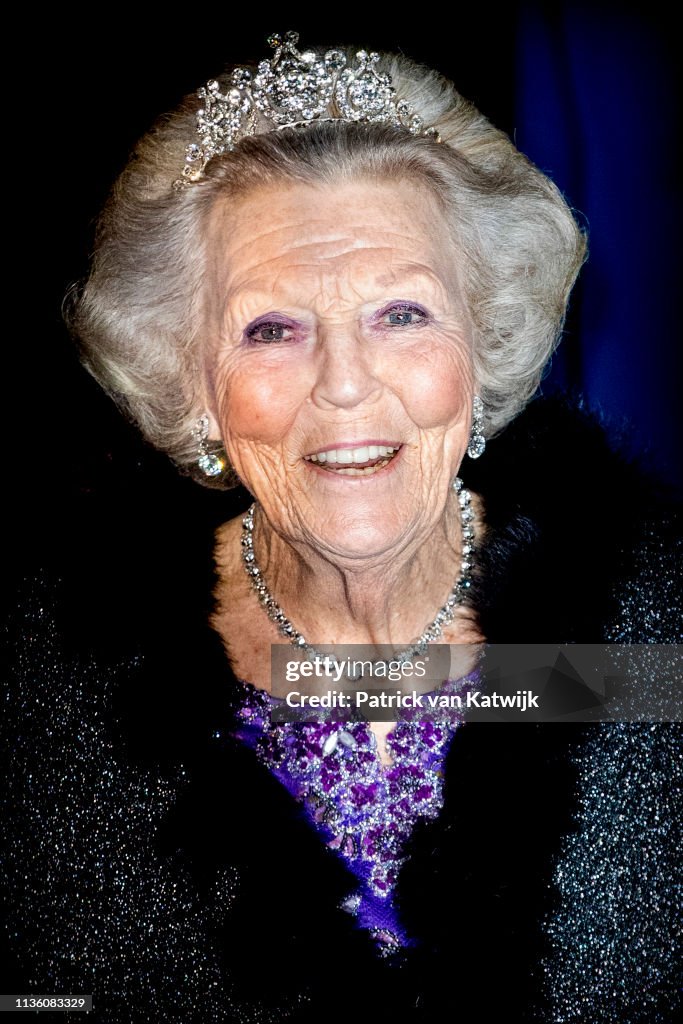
[(589, 92)]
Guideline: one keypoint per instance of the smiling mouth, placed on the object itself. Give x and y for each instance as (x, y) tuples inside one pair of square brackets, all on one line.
[(360, 461)]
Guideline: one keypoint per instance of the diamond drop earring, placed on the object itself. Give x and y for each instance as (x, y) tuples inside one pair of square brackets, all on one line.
[(477, 442), (210, 463)]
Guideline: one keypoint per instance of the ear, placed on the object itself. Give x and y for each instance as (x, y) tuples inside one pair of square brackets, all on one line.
[(207, 397), (214, 429), (207, 402)]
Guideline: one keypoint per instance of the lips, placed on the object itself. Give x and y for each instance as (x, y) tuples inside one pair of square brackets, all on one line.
[(355, 460)]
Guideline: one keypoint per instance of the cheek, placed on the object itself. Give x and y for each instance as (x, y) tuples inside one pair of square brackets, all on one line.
[(438, 384), (259, 405)]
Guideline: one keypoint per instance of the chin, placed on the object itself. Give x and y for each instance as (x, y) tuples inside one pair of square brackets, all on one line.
[(364, 537)]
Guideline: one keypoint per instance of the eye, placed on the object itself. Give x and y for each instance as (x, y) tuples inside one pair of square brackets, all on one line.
[(267, 332), (403, 314)]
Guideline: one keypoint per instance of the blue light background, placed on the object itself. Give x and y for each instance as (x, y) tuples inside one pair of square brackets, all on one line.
[(596, 107)]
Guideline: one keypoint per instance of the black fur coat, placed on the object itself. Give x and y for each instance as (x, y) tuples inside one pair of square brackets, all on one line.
[(150, 860)]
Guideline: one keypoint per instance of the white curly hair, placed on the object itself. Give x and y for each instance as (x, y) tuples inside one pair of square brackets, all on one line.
[(138, 316)]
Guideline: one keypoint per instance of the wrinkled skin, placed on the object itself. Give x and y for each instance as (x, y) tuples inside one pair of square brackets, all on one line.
[(336, 317)]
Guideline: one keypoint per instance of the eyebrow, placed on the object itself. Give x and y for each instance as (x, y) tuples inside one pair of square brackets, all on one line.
[(382, 280), (409, 275)]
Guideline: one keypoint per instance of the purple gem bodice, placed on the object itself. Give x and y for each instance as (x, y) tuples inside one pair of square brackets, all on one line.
[(364, 810)]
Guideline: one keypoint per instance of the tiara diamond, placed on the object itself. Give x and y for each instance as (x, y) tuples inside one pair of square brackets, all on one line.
[(294, 88)]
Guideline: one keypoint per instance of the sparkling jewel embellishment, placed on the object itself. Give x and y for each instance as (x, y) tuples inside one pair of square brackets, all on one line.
[(368, 810), (294, 88), (477, 442), (432, 632), (210, 464), (365, 811)]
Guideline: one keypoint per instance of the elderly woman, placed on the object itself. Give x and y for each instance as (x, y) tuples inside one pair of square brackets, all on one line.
[(326, 289)]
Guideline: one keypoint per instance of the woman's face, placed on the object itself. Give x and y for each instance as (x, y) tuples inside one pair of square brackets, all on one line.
[(340, 360)]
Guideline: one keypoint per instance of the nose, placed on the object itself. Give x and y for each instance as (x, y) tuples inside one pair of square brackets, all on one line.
[(345, 372)]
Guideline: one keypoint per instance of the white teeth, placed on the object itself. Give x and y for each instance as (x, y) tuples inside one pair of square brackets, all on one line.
[(350, 456)]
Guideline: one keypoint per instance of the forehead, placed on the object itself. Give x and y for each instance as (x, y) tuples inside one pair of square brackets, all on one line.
[(298, 229)]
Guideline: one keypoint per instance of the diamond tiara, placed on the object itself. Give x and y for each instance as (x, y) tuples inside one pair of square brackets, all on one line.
[(294, 88)]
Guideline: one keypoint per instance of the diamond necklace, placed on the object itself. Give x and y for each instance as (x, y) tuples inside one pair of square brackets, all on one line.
[(433, 631)]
